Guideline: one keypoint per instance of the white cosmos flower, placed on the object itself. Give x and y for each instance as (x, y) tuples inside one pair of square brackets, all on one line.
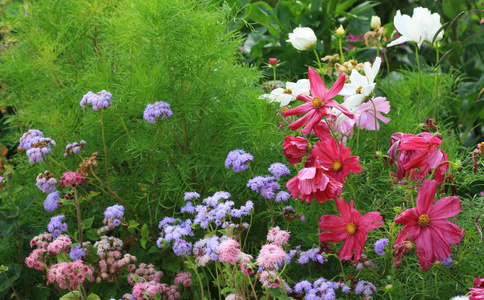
[(422, 26), (289, 94), (302, 38)]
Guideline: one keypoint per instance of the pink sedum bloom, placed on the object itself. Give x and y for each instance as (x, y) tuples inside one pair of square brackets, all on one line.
[(312, 182), (319, 104), (350, 227), (427, 227), (336, 160)]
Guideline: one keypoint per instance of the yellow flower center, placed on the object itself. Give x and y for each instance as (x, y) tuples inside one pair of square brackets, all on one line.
[(337, 165), (351, 228), (287, 91), (317, 102), (284, 109), (423, 220), (358, 90)]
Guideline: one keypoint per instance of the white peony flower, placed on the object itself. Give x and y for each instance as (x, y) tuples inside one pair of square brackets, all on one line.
[(422, 26), (302, 38)]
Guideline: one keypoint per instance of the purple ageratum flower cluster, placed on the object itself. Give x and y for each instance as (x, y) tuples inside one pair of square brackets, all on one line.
[(366, 288), (282, 196), (264, 185), (191, 195), (320, 289), (114, 213), (77, 253), (182, 247), (172, 230), (40, 147), (74, 148), (380, 246), (46, 182), (26, 139), (447, 262), (56, 227), (313, 254), (158, 109), (99, 100), (279, 169), (51, 202), (205, 249), (238, 159)]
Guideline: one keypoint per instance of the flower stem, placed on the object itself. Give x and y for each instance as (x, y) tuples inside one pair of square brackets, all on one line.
[(274, 68), (79, 220), (376, 125), (319, 61), (104, 146), (419, 82), (198, 276), (436, 85), (11, 285), (342, 57)]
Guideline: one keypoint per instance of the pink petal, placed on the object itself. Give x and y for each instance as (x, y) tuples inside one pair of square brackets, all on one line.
[(305, 98), (298, 110), (301, 121), (315, 119), (341, 108), (343, 208), (370, 221), (425, 244), (452, 233), (318, 88), (349, 244), (440, 246), (408, 217), (332, 223), (336, 88), (426, 196), (361, 236), (445, 207)]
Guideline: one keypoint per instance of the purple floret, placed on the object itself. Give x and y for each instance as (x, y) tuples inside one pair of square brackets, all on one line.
[(158, 109), (238, 159), (99, 100), (50, 203)]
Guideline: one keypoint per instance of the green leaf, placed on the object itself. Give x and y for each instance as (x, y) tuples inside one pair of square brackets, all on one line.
[(143, 242), (93, 296), (74, 295), (144, 231), (344, 6), (87, 223), (133, 224)]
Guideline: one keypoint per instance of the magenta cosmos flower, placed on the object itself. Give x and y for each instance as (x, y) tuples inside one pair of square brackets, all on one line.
[(427, 227), (319, 104), (351, 227), (336, 159), (313, 183)]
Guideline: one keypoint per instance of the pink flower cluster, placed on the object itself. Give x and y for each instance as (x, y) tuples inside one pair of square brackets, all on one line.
[(228, 252), (36, 259), (41, 240), (184, 278), (69, 275), (60, 244), (271, 256), (270, 279), (148, 272), (278, 236), (110, 264), (70, 178)]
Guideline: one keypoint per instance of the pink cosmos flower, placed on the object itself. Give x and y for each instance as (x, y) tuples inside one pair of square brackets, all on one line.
[(312, 182), (336, 160), (365, 116), (351, 227), (295, 148), (427, 227), (319, 104)]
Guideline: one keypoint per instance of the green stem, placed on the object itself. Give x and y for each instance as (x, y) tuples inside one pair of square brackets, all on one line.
[(198, 276), (320, 71), (423, 287), (11, 285), (436, 86), (79, 220), (274, 68), (376, 125), (342, 57), (104, 147), (419, 82)]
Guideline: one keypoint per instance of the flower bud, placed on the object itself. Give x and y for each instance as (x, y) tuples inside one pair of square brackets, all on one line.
[(375, 22), (273, 61), (340, 32), (302, 38)]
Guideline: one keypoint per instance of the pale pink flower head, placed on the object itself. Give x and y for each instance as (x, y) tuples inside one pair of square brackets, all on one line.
[(312, 182), (365, 116), (270, 279), (350, 227), (336, 160), (184, 278), (278, 236), (61, 244), (319, 104), (228, 251), (71, 178), (36, 259), (69, 275), (427, 227), (271, 256), (295, 148)]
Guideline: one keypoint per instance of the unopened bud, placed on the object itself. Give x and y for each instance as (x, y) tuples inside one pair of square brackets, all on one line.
[(375, 22), (273, 61), (340, 32)]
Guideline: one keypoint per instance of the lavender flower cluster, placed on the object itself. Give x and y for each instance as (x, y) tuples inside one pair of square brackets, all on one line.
[(320, 289), (114, 213), (99, 100), (36, 144), (51, 201), (74, 148), (267, 186), (55, 226), (380, 246), (238, 159), (158, 109), (46, 182)]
